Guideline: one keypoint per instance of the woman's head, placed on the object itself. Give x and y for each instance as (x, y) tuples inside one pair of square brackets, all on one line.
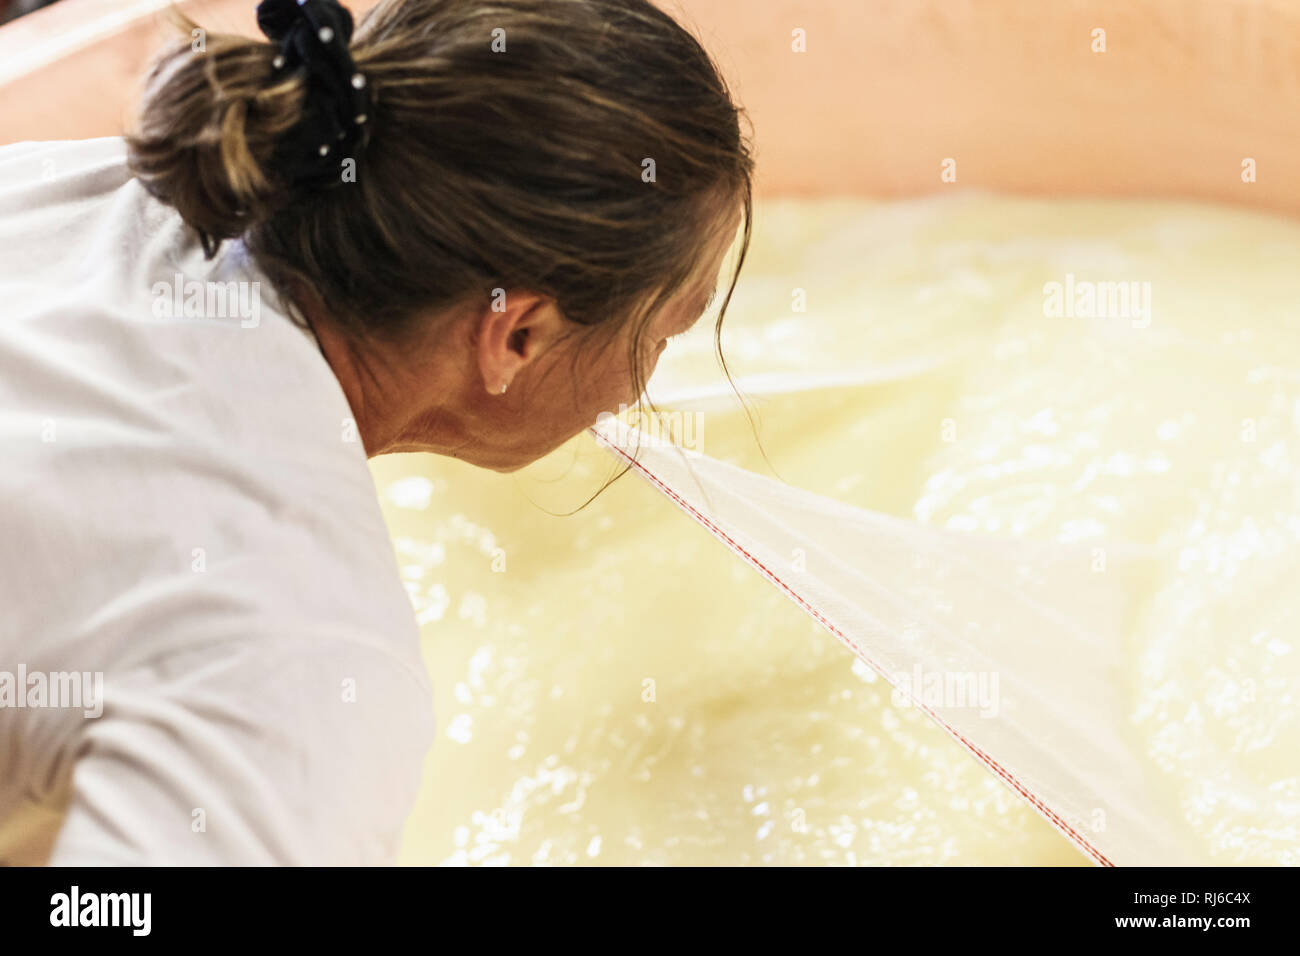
[(547, 191)]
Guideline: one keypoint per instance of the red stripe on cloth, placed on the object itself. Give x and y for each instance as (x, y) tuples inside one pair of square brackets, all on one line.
[(1050, 815)]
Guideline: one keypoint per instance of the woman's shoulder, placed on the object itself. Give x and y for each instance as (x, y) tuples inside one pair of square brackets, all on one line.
[(168, 430), (44, 173)]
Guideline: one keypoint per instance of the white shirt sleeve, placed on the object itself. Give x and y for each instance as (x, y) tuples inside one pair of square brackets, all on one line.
[(300, 751), (187, 511)]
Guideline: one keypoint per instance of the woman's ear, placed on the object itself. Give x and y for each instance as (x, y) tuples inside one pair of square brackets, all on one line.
[(513, 331)]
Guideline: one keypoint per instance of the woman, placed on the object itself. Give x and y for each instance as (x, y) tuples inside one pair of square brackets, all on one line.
[(469, 230)]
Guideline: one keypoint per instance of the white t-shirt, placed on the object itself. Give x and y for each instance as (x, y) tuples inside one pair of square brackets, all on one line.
[(186, 510)]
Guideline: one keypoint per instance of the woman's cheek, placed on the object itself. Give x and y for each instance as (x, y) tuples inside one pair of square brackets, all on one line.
[(617, 386), (651, 360)]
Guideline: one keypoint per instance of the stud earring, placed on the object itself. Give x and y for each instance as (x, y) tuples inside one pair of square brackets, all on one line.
[(503, 388)]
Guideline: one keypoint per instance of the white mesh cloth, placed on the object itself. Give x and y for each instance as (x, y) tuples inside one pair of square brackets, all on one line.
[(1013, 648)]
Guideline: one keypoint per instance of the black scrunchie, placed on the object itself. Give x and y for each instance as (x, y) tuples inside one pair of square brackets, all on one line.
[(314, 37)]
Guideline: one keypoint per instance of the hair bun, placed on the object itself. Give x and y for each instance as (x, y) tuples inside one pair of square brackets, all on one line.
[(209, 132)]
